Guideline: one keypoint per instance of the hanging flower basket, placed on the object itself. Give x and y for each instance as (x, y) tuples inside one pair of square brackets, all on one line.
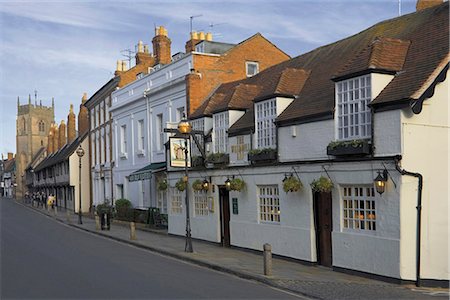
[(237, 184), (162, 185), (292, 184), (181, 185), (197, 185), (322, 184)]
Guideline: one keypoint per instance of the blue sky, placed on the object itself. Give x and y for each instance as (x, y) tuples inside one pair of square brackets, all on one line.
[(65, 48)]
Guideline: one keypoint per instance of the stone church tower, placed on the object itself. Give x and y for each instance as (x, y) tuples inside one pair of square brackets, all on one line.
[(32, 126)]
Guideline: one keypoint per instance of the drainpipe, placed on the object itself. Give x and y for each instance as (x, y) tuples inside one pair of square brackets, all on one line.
[(372, 130), (419, 213)]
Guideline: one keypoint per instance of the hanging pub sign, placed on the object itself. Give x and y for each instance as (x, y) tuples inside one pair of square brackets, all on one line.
[(177, 157)]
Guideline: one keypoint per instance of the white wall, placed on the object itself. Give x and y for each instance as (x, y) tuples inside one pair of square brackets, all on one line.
[(85, 178), (425, 143)]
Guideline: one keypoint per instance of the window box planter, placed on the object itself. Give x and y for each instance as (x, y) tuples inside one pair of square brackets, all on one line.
[(349, 148), (262, 155), (219, 158)]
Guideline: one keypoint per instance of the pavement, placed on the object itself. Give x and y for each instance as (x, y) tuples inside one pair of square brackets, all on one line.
[(314, 282)]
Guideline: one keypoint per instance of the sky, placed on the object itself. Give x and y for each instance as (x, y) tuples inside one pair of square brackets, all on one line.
[(62, 49)]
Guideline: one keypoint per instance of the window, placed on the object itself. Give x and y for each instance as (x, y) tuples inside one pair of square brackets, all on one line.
[(160, 130), (354, 119), (120, 194), (220, 132), (102, 113), (180, 112), (198, 124), (252, 68), (97, 116), (200, 203), (266, 112), (92, 119), (41, 126), (176, 205), (269, 204), (359, 207), (123, 139), (162, 201), (141, 137)]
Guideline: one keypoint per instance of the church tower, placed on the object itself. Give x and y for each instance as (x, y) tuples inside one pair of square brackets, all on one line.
[(32, 126)]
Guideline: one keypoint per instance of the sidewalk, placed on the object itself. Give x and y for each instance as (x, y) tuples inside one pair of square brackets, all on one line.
[(312, 281)]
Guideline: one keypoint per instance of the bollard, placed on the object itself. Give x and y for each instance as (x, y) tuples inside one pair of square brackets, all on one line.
[(68, 216), (97, 222), (267, 259), (132, 231)]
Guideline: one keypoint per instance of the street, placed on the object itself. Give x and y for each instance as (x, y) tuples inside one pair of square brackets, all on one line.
[(42, 258)]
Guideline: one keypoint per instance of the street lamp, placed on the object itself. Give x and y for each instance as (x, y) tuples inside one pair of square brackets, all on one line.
[(380, 181), (80, 153), (185, 129)]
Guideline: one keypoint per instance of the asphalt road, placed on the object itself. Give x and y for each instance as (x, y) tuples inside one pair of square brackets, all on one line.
[(42, 258)]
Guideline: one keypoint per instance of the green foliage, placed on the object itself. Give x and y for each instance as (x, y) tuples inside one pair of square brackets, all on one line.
[(352, 143), (261, 151), (197, 185), (292, 184), (237, 184), (123, 203), (162, 185), (323, 184), (103, 208), (181, 185), (215, 156)]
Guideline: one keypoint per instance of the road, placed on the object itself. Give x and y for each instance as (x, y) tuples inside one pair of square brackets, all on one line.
[(42, 258)]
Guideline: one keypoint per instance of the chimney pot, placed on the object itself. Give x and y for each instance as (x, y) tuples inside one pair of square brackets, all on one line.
[(140, 47), (201, 35), (124, 65), (119, 66), (209, 36), (423, 4)]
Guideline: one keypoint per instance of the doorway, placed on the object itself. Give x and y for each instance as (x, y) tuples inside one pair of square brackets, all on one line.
[(224, 202), (324, 226)]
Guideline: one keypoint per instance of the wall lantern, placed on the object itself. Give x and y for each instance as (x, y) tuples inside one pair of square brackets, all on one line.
[(205, 184), (228, 184), (380, 181)]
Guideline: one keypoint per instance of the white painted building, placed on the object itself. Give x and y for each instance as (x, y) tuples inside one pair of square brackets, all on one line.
[(381, 107)]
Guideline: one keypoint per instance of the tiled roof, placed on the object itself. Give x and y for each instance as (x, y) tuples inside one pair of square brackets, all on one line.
[(9, 165), (63, 154), (410, 47)]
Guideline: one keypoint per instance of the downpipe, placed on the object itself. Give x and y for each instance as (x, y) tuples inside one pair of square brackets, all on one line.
[(419, 213)]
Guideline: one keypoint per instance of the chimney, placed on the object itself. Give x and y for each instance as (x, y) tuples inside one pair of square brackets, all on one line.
[(161, 46), (140, 47), (55, 138), (83, 122), (10, 156), (118, 68), (143, 56), (124, 66), (62, 134), (50, 141), (71, 131), (209, 37), (423, 4), (190, 45)]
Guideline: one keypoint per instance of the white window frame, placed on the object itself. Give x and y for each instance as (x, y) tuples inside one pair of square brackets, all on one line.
[(201, 203), (269, 210), (220, 128), (266, 131), (123, 141), (359, 208), (247, 66), (141, 137), (180, 112), (176, 203), (160, 132), (162, 201), (198, 125), (353, 119)]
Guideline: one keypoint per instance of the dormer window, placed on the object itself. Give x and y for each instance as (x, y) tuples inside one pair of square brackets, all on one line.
[(221, 124), (353, 114), (252, 68), (266, 112)]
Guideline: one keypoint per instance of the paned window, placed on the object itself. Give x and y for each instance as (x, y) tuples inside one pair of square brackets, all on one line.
[(251, 68), (162, 201), (180, 112), (200, 203), (199, 125), (266, 112), (220, 132), (354, 119), (176, 204), (123, 139), (269, 204), (359, 207), (41, 126), (141, 137), (92, 119), (160, 130)]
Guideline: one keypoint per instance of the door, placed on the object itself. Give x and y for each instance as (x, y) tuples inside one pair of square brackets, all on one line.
[(224, 199), (323, 222)]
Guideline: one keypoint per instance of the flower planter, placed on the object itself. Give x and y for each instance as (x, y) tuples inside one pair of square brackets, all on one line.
[(219, 160), (347, 149), (262, 157)]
